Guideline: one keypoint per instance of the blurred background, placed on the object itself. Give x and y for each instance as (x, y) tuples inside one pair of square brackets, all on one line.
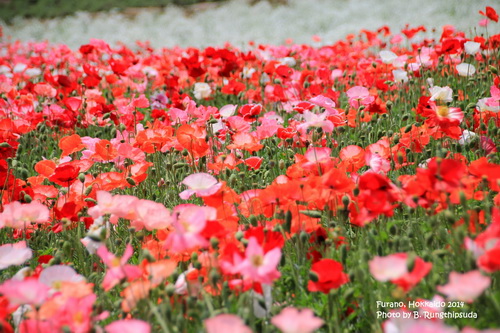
[(169, 23)]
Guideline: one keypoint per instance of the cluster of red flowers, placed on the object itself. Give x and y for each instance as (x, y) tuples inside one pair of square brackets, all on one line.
[(175, 104)]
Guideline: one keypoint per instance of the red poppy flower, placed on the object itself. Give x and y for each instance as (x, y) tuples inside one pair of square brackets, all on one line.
[(65, 175), (490, 13), (330, 276)]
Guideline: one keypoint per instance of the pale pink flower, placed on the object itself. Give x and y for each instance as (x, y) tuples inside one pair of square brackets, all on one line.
[(14, 254), (19, 216), (128, 326), (189, 221), (410, 325), (54, 276), (465, 287), (377, 163), (118, 268), (151, 215), (388, 268), (259, 266), (317, 155), (226, 323), (227, 110), (29, 291), (118, 206), (324, 102), (359, 95), (388, 57), (316, 120), (292, 320), (202, 184)]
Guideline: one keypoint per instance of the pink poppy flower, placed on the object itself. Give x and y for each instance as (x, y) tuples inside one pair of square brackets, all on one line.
[(315, 120), (388, 268), (18, 216), (28, 291), (292, 320), (410, 325), (54, 276), (128, 326), (465, 287), (151, 215), (189, 221), (325, 102), (359, 95), (14, 254), (118, 268), (259, 266), (226, 323), (202, 184)]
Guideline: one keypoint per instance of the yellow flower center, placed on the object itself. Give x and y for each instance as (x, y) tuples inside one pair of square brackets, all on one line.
[(443, 111), (115, 262), (257, 261)]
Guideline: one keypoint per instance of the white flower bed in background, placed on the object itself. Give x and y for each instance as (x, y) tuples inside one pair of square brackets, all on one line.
[(238, 22)]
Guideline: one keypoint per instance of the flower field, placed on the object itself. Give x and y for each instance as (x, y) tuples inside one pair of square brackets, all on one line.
[(348, 187)]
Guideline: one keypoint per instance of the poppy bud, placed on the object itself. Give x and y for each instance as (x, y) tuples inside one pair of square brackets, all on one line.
[(281, 165), (27, 198), (214, 242), (131, 181), (304, 237), (355, 191), (311, 213), (5, 145), (194, 256), (493, 69), (214, 276), (170, 290), (346, 201), (313, 276), (81, 177), (239, 235), (253, 220)]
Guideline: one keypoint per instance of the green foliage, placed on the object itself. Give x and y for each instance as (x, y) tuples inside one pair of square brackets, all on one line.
[(53, 8)]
